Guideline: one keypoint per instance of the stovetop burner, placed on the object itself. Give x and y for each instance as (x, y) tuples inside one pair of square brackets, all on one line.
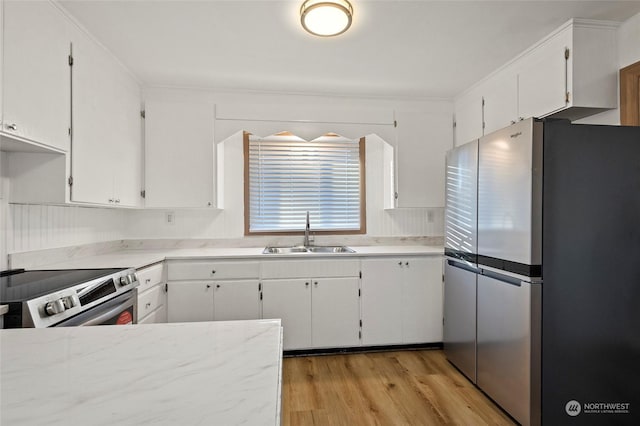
[(21, 285)]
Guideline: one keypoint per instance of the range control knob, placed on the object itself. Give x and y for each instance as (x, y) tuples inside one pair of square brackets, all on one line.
[(68, 302), (124, 280), (132, 278), (55, 307)]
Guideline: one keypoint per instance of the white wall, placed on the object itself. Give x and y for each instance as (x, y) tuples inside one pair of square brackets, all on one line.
[(628, 53)]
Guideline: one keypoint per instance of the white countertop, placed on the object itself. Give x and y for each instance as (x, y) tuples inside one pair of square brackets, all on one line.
[(223, 373), (4, 309), (135, 258)]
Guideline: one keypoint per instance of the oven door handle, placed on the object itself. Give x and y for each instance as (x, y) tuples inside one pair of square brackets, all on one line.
[(100, 313)]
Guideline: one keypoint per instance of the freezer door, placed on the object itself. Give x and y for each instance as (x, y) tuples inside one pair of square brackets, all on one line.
[(460, 317), (510, 194), (509, 345), (461, 201)]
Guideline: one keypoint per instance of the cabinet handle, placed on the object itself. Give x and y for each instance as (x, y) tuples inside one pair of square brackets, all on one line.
[(111, 200), (117, 200), (148, 280), (400, 263), (406, 264), (307, 284), (12, 126), (520, 118), (315, 282), (209, 204), (208, 286), (147, 305), (217, 285), (513, 121), (213, 272)]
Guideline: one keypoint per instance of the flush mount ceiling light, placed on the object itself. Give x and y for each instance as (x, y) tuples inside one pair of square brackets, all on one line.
[(326, 18)]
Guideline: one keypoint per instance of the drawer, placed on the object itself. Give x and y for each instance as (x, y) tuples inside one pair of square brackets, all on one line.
[(310, 268), (218, 270), (157, 316), (150, 276), (150, 300)]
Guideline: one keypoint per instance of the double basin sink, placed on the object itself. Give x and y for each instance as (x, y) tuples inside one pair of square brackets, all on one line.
[(307, 249)]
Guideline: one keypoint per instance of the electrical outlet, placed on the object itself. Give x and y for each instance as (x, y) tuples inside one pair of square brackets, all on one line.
[(170, 218)]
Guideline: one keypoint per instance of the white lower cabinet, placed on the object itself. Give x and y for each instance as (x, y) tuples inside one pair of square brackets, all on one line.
[(152, 295), (190, 301), (202, 290), (401, 300), (289, 300), (315, 313), (236, 300), (335, 312), (422, 300)]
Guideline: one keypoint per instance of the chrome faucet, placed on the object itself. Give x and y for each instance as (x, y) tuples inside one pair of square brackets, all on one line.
[(306, 231)]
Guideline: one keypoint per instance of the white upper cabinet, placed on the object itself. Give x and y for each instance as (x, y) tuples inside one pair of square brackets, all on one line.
[(542, 81), (572, 73), (36, 86), (423, 139), (106, 145), (468, 118), (500, 102), (179, 154)]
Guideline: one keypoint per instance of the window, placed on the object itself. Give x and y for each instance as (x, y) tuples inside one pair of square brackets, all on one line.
[(286, 176)]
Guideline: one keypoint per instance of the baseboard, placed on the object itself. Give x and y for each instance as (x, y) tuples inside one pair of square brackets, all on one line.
[(360, 349)]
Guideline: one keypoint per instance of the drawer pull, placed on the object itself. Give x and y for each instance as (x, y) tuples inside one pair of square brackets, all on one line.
[(213, 272), (148, 280), (148, 305)]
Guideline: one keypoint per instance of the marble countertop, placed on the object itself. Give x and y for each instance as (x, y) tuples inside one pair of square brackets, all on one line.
[(138, 258), (222, 373)]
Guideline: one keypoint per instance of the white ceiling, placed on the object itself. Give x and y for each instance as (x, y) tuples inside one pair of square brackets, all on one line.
[(394, 48)]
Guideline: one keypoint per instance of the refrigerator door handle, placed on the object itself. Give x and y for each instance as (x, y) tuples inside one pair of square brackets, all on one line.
[(457, 264), (503, 278)]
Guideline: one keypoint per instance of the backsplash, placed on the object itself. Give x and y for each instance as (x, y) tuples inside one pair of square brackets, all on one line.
[(40, 227), (214, 224), (37, 227)]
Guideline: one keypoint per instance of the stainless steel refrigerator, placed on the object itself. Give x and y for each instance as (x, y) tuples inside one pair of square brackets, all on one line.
[(557, 292)]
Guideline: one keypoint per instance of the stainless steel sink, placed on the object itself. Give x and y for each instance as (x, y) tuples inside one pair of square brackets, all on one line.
[(310, 249), (330, 249), (284, 250)]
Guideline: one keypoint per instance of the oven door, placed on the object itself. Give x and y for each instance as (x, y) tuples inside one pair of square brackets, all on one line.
[(117, 311)]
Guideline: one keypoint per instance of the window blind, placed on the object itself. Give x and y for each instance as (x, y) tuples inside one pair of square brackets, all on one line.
[(289, 176)]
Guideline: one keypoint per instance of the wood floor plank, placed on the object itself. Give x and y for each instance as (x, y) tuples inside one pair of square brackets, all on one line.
[(385, 388)]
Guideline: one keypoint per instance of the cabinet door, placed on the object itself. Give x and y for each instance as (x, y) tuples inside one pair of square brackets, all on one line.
[(468, 116), (381, 301), (106, 128), (236, 300), (542, 78), (422, 300), (289, 300), (178, 154), (500, 101), (36, 73), (423, 139), (335, 318), (190, 301)]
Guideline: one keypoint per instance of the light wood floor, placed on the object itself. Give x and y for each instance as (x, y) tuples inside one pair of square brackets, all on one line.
[(386, 388)]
